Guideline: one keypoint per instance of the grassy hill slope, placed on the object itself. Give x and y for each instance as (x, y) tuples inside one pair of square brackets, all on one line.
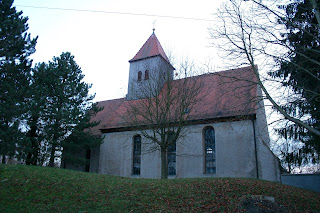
[(38, 189)]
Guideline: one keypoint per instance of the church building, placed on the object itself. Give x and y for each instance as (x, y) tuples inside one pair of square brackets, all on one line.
[(227, 134)]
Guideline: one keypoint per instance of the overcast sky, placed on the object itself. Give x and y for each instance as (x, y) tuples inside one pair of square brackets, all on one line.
[(104, 42)]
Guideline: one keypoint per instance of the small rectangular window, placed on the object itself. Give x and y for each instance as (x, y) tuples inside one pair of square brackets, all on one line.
[(171, 154), (136, 164), (209, 152), (172, 159)]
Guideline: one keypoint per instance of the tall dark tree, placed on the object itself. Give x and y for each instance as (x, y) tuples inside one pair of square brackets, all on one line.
[(300, 71), (67, 101), (16, 45), (59, 112), (36, 116)]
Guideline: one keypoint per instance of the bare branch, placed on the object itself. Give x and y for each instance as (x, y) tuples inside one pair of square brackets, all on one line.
[(251, 36)]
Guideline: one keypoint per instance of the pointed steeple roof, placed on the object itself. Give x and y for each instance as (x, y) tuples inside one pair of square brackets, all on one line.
[(151, 48)]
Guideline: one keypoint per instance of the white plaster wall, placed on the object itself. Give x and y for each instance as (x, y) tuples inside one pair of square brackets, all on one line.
[(268, 163), (116, 156), (150, 162), (235, 153)]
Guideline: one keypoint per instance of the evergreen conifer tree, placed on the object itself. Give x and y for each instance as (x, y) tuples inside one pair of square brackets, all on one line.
[(16, 45), (66, 105), (36, 116), (59, 112), (301, 72)]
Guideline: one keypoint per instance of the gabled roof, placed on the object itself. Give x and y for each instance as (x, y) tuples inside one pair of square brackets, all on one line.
[(151, 48), (223, 95)]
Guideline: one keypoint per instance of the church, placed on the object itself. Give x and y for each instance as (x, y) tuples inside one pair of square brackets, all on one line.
[(226, 134)]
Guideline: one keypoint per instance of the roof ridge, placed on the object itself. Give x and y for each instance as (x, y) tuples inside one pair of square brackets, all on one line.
[(244, 69), (115, 99)]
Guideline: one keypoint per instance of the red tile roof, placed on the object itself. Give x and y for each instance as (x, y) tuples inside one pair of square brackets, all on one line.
[(106, 114), (151, 48), (225, 94)]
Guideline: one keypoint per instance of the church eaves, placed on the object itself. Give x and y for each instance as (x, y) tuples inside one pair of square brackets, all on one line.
[(151, 48)]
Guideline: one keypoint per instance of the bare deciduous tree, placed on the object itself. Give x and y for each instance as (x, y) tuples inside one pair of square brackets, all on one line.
[(250, 34), (254, 32), (163, 106)]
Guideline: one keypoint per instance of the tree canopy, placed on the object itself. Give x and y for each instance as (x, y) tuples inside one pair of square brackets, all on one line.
[(16, 45), (43, 108), (59, 108), (300, 71)]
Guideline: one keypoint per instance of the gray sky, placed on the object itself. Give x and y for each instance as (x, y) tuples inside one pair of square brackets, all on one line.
[(103, 42)]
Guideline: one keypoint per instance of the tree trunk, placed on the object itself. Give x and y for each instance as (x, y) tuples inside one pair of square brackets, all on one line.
[(53, 150), (34, 148), (29, 158), (35, 155), (289, 168), (3, 159), (32, 155), (164, 163)]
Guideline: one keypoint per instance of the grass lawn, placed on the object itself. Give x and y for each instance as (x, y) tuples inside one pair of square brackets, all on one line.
[(38, 189)]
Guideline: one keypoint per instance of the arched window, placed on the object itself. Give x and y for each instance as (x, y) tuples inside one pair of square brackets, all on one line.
[(171, 154), (209, 151), (136, 155), (146, 75), (139, 76)]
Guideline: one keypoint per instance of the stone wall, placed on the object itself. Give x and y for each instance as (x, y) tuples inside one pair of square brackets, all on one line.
[(305, 181)]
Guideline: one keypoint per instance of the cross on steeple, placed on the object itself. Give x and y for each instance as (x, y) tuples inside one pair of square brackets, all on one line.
[(154, 23)]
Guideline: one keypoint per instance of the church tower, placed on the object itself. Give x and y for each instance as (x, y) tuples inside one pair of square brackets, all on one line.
[(149, 70)]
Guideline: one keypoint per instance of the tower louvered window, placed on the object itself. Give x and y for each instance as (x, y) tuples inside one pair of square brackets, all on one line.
[(139, 76), (146, 75)]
